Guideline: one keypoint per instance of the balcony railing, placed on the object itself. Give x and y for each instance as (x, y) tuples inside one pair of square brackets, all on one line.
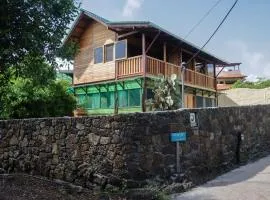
[(129, 67), (133, 67)]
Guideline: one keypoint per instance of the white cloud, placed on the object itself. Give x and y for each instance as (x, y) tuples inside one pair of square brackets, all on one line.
[(252, 78), (130, 6), (254, 63)]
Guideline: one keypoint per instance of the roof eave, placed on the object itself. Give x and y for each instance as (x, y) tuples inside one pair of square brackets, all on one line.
[(77, 20)]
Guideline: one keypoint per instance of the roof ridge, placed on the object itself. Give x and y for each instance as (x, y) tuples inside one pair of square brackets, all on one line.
[(95, 16)]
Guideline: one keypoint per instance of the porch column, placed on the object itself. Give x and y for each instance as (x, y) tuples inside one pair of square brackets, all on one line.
[(165, 52), (215, 85), (144, 73), (165, 59), (194, 69), (181, 78), (115, 85)]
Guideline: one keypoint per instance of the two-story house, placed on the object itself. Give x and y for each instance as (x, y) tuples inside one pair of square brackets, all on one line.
[(118, 62)]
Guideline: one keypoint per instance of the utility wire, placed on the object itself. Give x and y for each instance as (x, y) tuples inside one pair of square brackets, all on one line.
[(223, 20), (202, 19)]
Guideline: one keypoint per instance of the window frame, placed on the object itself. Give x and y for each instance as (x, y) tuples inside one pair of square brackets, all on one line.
[(126, 50), (102, 55), (113, 53)]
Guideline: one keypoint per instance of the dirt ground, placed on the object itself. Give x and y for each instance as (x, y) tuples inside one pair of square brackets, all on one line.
[(25, 187)]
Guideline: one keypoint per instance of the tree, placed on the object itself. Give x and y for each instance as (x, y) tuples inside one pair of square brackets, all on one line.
[(166, 94), (33, 27), (36, 95), (31, 31), (260, 84)]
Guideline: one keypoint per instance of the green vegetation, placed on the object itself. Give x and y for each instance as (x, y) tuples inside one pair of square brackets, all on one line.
[(260, 84), (31, 35), (36, 94), (166, 94), (33, 27)]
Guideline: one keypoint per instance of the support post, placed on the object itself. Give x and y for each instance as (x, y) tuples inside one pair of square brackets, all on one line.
[(144, 73), (215, 85), (180, 73), (165, 52), (115, 99), (194, 70), (165, 58), (115, 84), (183, 69)]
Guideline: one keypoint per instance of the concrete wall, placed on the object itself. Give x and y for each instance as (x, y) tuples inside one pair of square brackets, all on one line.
[(127, 150), (244, 97)]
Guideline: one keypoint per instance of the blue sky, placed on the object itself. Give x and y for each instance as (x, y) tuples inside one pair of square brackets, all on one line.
[(244, 37)]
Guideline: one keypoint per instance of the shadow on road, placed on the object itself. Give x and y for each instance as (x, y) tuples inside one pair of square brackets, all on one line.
[(240, 174), (254, 179)]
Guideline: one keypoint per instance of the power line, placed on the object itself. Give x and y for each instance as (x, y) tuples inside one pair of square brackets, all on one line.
[(223, 20), (202, 19)]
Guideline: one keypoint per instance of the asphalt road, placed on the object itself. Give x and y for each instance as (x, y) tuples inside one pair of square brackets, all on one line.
[(250, 182)]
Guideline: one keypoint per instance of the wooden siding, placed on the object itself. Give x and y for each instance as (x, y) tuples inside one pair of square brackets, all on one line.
[(190, 101), (85, 71)]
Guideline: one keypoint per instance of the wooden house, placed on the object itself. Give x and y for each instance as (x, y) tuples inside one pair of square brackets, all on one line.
[(118, 62)]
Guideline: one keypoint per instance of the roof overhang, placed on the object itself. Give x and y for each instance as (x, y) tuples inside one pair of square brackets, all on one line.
[(149, 28)]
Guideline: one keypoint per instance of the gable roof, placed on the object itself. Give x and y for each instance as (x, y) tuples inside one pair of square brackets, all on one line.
[(124, 26)]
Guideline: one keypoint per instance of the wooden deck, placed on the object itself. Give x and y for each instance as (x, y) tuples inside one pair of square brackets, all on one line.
[(154, 67)]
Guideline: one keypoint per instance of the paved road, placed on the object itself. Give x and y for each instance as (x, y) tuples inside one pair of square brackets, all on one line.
[(250, 182)]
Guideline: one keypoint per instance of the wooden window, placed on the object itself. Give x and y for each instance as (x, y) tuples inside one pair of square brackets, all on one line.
[(98, 55), (109, 52), (121, 49)]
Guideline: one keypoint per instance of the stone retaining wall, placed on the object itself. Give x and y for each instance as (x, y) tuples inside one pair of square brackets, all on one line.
[(131, 150)]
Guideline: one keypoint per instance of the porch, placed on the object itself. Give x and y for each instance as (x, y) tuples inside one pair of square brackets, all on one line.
[(132, 67)]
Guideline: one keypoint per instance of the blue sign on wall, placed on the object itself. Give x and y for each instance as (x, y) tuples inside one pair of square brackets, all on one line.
[(179, 137)]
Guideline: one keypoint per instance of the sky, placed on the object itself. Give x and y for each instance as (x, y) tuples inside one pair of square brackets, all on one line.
[(244, 37)]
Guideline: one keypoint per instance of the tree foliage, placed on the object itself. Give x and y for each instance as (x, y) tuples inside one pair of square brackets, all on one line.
[(33, 27), (31, 33), (30, 96), (260, 84), (166, 94)]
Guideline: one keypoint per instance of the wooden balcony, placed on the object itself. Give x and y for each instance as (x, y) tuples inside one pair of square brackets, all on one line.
[(131, 67)]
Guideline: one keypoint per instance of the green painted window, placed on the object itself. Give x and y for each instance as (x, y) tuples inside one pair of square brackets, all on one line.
[(104, 98), (81, 98), (93, 101), (134, 97), (123, 98), (111, 100), (107, 100)]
